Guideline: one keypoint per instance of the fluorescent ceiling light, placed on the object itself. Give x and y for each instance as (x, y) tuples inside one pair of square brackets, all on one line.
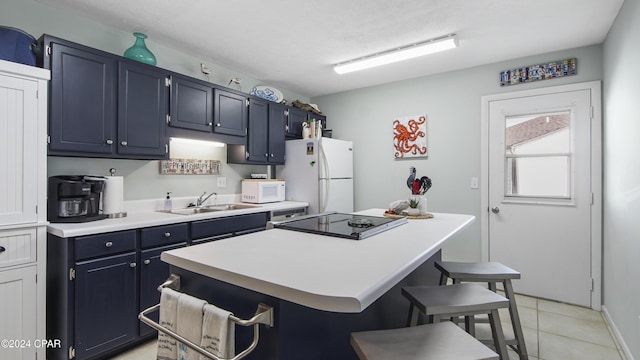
[(395, 55), (197, 142)]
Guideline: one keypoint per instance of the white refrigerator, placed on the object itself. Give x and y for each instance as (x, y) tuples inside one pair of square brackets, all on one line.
[(320, 172)]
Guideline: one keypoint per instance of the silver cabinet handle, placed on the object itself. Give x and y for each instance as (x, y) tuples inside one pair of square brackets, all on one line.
[(271, 155), (108, 244), (495, 209), (124, 143), (167, 234), (109, 141), (133, 265), (218, 124), (147, 262)]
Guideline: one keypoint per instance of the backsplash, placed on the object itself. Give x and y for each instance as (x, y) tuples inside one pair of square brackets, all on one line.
[(142, 178)]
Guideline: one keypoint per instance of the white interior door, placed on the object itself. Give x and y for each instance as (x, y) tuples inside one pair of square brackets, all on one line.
[(541, 191)]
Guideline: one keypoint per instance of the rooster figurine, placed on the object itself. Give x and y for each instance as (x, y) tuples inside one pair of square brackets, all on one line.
[(418, 186)]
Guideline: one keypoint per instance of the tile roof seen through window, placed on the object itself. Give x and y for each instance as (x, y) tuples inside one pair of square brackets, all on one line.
[(535, 128)]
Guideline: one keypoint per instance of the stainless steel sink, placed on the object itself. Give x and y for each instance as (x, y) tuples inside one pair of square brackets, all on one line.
[(189, 211), (209, 208), (222, 207)]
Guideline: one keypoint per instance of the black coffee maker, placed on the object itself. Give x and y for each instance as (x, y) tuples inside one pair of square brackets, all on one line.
[(75, 198)]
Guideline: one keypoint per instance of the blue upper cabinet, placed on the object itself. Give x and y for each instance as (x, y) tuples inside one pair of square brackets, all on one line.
[(142, 111), (230, 112), (295, 118), (277, 126), (257, 137), (199, 108), (83, 102), (265, 136), (102, 105), (191, 104)]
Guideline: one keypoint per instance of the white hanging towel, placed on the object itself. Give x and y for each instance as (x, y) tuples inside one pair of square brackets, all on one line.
[(190, 311), (218, 332), (168, 346)]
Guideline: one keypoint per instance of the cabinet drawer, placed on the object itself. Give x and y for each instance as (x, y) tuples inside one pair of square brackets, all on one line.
[(163, 235), (17, 247), (104, 244), (232, 224)]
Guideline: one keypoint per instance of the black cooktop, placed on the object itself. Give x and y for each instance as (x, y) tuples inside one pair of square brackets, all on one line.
[(349, 226)]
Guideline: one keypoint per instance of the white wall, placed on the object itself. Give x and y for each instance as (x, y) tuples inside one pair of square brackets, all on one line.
[(451, 102), (622, 175), (141, 178)]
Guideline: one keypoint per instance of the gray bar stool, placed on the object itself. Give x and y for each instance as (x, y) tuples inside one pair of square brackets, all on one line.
[(434, 341), (491, 273), (438, 302)]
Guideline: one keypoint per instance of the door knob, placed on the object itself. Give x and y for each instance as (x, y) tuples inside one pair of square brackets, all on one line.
[(495, 209)]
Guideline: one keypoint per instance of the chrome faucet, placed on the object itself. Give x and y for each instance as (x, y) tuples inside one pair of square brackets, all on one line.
[(201, 200)]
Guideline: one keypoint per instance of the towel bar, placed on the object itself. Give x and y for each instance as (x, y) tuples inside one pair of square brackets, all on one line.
[(264, 315)]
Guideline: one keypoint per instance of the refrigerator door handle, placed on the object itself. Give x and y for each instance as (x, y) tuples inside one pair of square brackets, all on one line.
[(323, 161)]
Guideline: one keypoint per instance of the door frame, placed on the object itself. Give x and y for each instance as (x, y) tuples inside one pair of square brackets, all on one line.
[(596, 173)]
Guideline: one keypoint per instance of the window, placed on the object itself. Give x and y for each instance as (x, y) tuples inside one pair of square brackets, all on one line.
[(538, 155)]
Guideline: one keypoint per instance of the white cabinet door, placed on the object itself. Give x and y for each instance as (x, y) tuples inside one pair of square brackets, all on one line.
[(18, 150), (18, 318)]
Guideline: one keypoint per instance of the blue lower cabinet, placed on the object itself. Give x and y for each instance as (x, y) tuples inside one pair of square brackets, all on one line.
[(153, 272), (105, 298), (98, 284)]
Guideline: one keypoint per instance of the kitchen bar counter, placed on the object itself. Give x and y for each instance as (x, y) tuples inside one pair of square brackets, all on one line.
[(321, 272), (322, 288), (149, 217)]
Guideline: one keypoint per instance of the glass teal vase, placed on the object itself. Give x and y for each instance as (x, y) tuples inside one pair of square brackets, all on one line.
[(139, 51)]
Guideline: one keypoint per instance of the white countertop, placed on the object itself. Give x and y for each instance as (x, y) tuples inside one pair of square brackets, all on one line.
[(321, 272), (148, 217)]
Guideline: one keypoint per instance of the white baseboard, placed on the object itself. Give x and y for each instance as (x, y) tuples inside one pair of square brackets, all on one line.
[(616, 334)]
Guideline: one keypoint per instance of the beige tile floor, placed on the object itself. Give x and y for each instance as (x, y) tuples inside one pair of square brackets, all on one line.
[(557, 331), (553, 331)]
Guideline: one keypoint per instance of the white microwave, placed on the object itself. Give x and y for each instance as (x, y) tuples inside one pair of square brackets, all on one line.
[(262, 191)]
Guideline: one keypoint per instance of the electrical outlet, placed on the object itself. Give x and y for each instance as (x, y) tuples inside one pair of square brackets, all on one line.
[(222, 182), (474, 183)]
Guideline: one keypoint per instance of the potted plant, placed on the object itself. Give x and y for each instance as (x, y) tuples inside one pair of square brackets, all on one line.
[(413, 207)]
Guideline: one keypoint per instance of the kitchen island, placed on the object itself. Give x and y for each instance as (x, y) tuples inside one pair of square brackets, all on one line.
[(322, 288)]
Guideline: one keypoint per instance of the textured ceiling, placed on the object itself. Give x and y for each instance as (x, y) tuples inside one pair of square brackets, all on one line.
[(293, 44)]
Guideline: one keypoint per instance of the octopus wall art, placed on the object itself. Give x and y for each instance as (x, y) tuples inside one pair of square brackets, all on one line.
[(410, 136)]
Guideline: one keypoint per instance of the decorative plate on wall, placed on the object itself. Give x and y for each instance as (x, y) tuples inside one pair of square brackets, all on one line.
[(267, 92)]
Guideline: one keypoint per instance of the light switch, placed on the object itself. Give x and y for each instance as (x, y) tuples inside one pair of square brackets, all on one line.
[(474, 182), (222, 182)]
